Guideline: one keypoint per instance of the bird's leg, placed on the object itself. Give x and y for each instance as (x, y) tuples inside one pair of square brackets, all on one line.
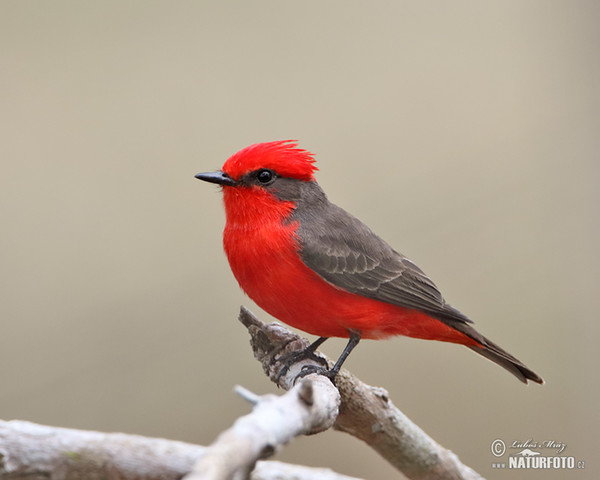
[(307, 353), (355, 336)]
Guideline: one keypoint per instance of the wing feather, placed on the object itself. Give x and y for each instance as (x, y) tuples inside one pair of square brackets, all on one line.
[(347, 254)]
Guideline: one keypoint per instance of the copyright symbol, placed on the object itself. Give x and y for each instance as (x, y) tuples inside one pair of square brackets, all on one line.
[(498, 448)]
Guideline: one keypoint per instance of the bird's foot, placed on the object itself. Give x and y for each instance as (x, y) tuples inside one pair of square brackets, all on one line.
[(308, 369), (291, 358)]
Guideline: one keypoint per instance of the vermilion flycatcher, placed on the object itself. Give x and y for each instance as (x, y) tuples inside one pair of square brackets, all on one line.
[(315, 267)]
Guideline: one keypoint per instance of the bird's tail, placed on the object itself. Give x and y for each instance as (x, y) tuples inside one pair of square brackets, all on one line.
[(493, 352), (496, 354)]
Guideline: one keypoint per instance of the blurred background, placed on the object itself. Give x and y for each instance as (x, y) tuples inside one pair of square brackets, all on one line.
[(465, 133)]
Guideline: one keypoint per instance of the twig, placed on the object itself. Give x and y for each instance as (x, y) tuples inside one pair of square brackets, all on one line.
[(309, 407), (366, 412), (29, 451), (246, 394)]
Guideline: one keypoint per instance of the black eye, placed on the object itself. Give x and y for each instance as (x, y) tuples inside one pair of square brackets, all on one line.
[(265, 176)]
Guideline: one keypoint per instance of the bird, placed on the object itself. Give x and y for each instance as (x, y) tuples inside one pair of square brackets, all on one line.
[(319, 269)]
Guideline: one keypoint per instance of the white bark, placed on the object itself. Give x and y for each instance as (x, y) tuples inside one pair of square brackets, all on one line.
[(309, 407), (35, 452), (365, 412), (29, 451)]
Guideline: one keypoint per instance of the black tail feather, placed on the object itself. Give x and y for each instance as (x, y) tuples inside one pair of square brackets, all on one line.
[(498, 355), (501, 357)]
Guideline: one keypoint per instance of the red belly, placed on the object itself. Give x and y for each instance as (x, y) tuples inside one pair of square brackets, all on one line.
[(267, 266)]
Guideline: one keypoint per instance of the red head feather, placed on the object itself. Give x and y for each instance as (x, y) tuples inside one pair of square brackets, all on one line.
[(284, 157)]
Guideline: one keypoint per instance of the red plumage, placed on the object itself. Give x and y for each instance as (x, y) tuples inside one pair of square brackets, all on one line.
[(263, 256), (282, 156), (312, 265)]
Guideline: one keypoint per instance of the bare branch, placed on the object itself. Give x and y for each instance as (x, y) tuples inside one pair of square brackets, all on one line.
[(32, 452), (36, 452), (366, 412), (309, 407)]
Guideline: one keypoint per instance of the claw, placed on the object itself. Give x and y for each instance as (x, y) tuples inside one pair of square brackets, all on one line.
[(308, 369), (309, 353), (294, 357), (306, 354)]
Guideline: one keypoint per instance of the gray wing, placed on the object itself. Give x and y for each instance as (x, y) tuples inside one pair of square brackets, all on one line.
[(346, 253)]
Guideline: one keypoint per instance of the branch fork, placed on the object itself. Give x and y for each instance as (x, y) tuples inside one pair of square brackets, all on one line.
[(365, 412), (311, 405)]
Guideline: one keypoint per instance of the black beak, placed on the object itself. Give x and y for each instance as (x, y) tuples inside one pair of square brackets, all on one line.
[(219, 177)]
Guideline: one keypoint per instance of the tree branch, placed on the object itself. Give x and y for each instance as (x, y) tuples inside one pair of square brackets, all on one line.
[(309, 407), (36, 452), (32, 452), (366, 412)]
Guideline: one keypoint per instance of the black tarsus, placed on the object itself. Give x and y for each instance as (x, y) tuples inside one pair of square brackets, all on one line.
[(307, 353), (355, 336)]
